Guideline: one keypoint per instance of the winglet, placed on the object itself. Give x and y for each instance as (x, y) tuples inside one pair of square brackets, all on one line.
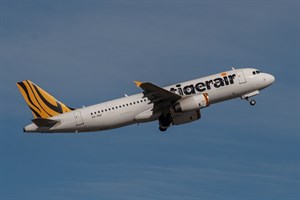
[(138, 83)]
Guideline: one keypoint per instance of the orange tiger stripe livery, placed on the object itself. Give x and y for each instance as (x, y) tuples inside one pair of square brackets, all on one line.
[(41, 103)]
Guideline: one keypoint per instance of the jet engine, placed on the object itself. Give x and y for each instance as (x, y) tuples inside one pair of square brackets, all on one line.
[(186, 117), (192, 103)]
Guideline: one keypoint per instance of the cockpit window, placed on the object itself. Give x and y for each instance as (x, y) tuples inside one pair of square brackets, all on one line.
[(256, 72)]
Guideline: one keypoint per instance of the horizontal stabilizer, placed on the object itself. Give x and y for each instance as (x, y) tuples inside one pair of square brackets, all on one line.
[(42, 122)]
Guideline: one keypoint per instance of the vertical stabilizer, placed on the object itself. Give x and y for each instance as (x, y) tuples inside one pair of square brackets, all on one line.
[(42, 104)]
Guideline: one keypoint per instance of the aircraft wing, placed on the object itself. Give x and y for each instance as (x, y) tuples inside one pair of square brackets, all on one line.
[(158, 95)]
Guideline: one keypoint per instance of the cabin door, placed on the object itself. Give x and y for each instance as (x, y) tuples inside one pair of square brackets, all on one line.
[(78, 118), (241, 76)]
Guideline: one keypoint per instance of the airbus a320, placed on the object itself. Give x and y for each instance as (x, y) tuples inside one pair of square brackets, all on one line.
[(172, 105)]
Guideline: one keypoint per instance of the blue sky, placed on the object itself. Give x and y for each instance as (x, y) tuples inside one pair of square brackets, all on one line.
[(85, 52)]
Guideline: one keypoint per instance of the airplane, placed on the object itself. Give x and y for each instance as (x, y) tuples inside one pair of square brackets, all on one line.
[(172, 105)]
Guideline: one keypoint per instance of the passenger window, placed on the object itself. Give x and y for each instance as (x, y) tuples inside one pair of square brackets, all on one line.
[(253, 72)]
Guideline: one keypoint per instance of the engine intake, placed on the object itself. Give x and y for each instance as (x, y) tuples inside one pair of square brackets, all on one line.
[(192, 103)]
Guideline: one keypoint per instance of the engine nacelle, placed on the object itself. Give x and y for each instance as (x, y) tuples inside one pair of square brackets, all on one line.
[(186, 117), (192, 103)]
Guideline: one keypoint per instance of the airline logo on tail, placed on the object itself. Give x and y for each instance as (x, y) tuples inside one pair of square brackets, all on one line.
[(42, 104)]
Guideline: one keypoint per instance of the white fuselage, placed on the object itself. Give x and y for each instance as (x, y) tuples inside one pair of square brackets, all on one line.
[(138, 109)]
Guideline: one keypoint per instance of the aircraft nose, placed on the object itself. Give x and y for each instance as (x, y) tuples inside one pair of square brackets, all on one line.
[(268, 79)]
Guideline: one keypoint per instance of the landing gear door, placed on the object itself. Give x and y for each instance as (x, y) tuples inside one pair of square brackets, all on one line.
[(78, 118), (241, 76)]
